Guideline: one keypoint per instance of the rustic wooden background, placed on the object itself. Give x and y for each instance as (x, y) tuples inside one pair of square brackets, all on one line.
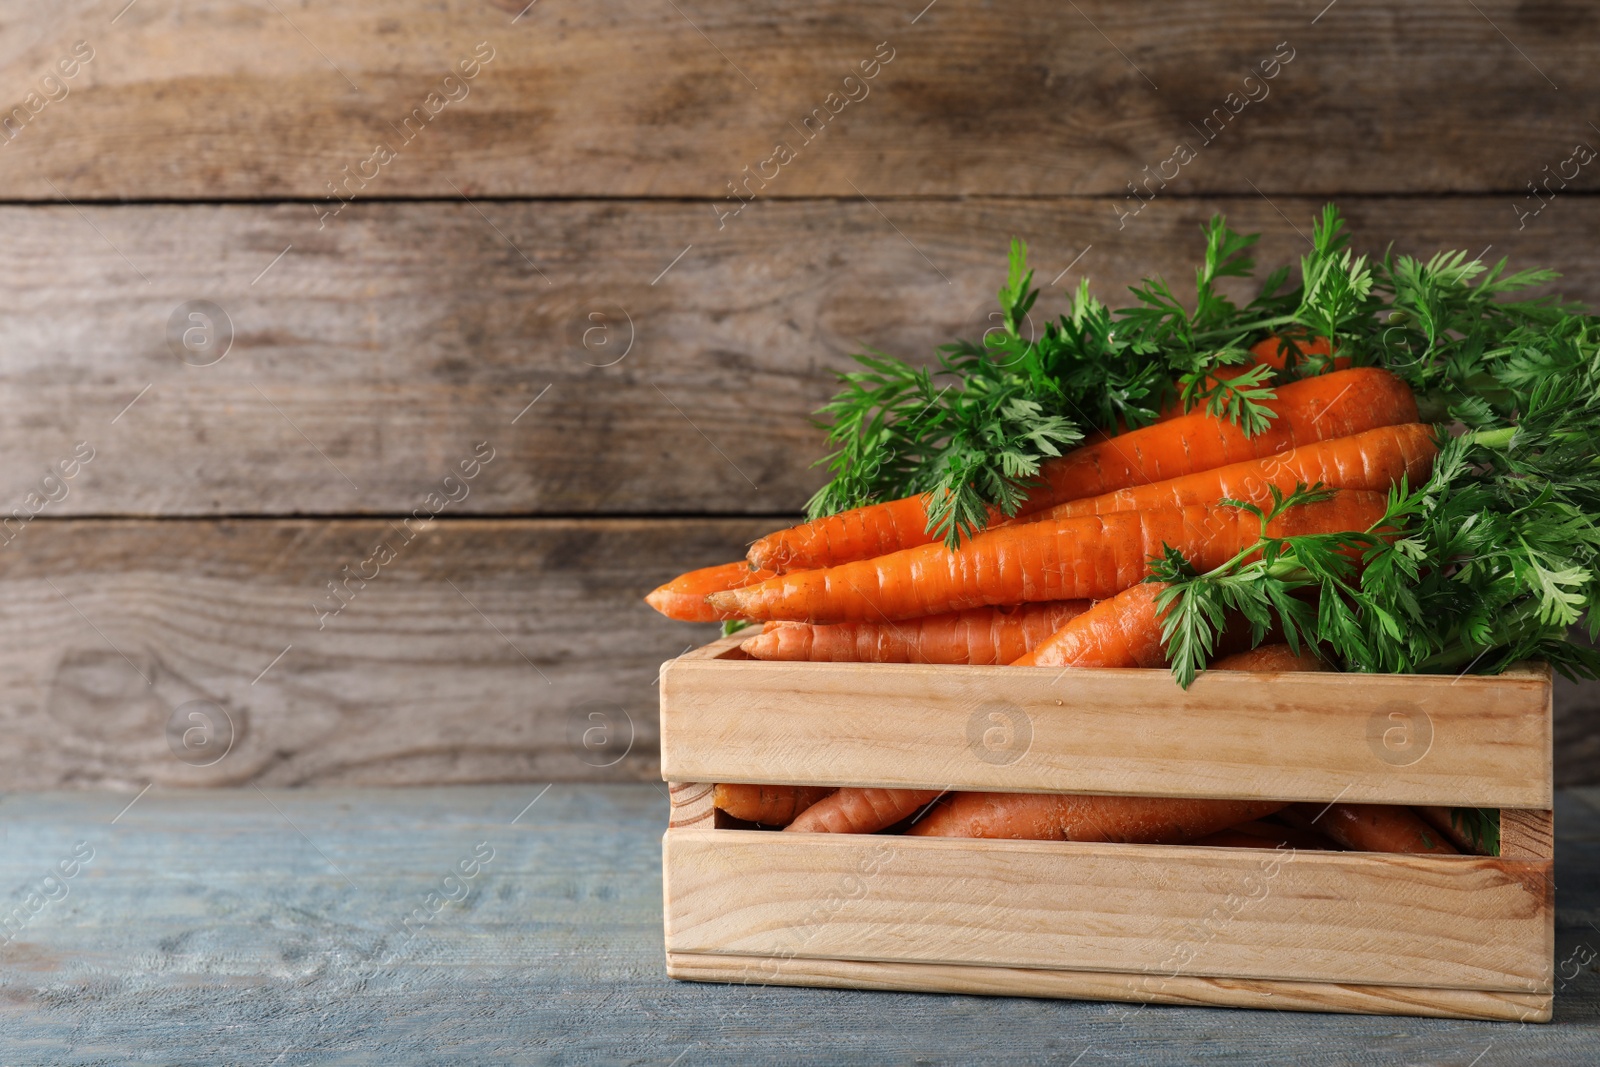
[(548, 266)]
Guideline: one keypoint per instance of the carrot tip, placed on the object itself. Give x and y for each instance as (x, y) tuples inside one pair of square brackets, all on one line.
[(760, 646)]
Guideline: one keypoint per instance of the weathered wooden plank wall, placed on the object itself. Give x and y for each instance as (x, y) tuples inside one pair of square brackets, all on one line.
[(229, 98), (554, 228)]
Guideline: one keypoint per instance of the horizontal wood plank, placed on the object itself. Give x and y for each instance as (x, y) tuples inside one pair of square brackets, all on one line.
[(1184, 990), (626, 98), (484, 651), (1450, 922), (369, 360), (1314, 737)]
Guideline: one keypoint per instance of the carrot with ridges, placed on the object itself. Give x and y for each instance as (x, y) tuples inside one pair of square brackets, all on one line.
[(769, 805), (861, 811), (1376, 828), (1374, 461), (684, 598), (1312, 409), (1122, 631), (1057, 817), (977, 636), (1067, 559)]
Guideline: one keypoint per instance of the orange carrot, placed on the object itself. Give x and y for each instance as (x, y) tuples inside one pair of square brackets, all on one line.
[(1067, 559), (1271, 351), (1125, 631), (1312, 409), (861, 811), (1057, 817), (1268, 352), (978, 635), (1374, 460), (769, 805), (1121, 631), (684, 598), (859, 533), (1376, 828), (1269, 658)]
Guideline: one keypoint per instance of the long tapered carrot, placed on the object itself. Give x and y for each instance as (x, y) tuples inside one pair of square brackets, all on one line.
[(1125, 631), (1313, 409), (684, 598), (861, 811), (1065, 559), (977, 636), (770, 805), (1375, 828), (1120, 631), (1375, 461), (1057, 817)]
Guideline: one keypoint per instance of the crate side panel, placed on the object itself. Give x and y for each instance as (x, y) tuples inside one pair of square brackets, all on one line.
[(1449, 922), (1106, 985), (1361, 738)]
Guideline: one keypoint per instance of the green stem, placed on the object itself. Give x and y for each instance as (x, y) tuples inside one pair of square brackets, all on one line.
[(1496, 439), (1264, 324), (1522, 623)]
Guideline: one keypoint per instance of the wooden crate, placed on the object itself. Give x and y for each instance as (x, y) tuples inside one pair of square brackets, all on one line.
[(1457, 936)]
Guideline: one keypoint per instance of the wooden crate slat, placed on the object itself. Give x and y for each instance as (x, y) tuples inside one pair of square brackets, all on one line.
[(1109, 985), (1447, 922), (1527, 834), (400, 335), (1359, 738), (624, 98)]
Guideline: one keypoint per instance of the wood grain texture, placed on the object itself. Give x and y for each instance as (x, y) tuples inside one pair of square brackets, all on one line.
[(623, 98), (1453, 922), (693, 804), (370, 359), (1527, 834), (208, 929), (1181, 990), (511, 650), (1318, 737)]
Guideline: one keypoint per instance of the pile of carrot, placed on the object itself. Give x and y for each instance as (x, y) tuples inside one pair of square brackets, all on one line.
[(1063, 584)]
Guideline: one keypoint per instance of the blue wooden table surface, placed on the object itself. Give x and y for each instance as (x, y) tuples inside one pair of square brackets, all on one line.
[(337, 926)]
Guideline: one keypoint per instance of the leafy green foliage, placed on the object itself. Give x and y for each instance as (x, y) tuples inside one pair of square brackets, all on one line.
[(1489, 561)]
